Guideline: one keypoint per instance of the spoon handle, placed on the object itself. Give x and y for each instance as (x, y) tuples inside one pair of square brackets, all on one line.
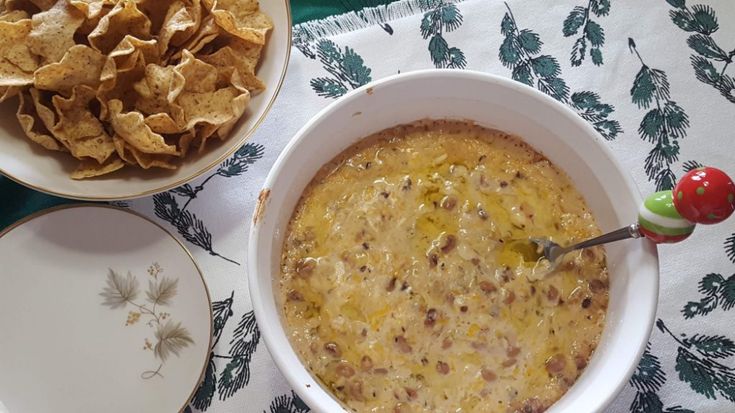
[(631, 231)]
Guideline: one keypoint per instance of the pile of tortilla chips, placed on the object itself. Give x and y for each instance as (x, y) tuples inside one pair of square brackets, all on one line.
[(129, 82)]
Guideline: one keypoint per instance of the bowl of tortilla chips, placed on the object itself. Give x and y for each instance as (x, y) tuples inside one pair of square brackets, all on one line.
[(118, 99)]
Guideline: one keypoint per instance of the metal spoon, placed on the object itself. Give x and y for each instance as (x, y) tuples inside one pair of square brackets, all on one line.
[(553, 252), (704, 195)]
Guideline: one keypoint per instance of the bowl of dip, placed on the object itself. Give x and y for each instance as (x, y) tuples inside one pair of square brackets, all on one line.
[(358, 321)]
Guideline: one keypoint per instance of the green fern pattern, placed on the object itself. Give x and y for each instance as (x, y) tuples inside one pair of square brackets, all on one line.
[(521, 52), (702, 20), (236, 373), (441, 17), (662, 126), (346, 67), (580, 22), (698, 363), (647, 381), (288, 404)]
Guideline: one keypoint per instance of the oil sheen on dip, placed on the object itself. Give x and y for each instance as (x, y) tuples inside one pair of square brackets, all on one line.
[(399, 292)]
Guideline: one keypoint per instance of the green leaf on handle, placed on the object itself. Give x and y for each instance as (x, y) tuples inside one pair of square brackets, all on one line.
[(574, 21)]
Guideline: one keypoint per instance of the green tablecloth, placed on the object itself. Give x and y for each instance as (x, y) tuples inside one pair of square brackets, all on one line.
[(18, 201)]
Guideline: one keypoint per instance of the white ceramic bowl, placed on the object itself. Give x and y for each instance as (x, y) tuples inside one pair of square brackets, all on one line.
[(491, 101), (48, 171)]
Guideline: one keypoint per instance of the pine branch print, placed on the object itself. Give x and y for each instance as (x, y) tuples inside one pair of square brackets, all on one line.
[(521, 52), (698, 363), (187, 224), (236, 373), (702, 20), (580, 22), (442, 16), (717, 291), (647, 381), (346, 67), (662, 126), (288, 404), (730, 247)]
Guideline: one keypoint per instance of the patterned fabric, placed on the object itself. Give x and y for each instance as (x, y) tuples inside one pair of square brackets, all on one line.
[(654, 78)]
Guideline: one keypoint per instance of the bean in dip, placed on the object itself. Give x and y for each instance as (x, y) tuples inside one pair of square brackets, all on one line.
[(399, 289)]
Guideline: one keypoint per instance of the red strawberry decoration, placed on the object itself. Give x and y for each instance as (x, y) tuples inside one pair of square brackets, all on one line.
[(705, 195)]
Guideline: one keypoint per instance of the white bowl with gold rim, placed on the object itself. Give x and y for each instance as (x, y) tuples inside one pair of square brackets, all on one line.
[(48, 171), (491, 101)]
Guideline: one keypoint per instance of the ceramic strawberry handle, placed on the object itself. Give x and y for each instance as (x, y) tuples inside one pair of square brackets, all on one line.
[(704, 195)]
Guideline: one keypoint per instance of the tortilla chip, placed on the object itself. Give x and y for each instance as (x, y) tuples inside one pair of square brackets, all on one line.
[(163, 123), (207, 32), (91, 9), (44, 108), (180, 22), (146, 161), (126, 52), (185, 142), (44, 4), (17, 63), (118, 84), (241, 18), (81, 65), (34, 130), (158, 89), (199, 76), (124, 19), (53, 31), (14, 16), (131, 127), (7, 92), (214, 108), (89, 168), (156, 11), (242, 56), (78, 129)]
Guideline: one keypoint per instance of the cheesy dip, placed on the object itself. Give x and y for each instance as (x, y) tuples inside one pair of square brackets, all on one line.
[(401, 288)]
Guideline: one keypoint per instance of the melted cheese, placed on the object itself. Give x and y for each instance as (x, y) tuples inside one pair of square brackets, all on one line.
[(399, 291)]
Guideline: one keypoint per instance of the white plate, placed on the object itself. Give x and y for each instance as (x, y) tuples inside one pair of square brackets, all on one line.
[(48, 171), (70, 343)]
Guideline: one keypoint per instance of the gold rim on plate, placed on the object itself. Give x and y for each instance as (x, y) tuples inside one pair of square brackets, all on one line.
[(48, 211), (201, 171)]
